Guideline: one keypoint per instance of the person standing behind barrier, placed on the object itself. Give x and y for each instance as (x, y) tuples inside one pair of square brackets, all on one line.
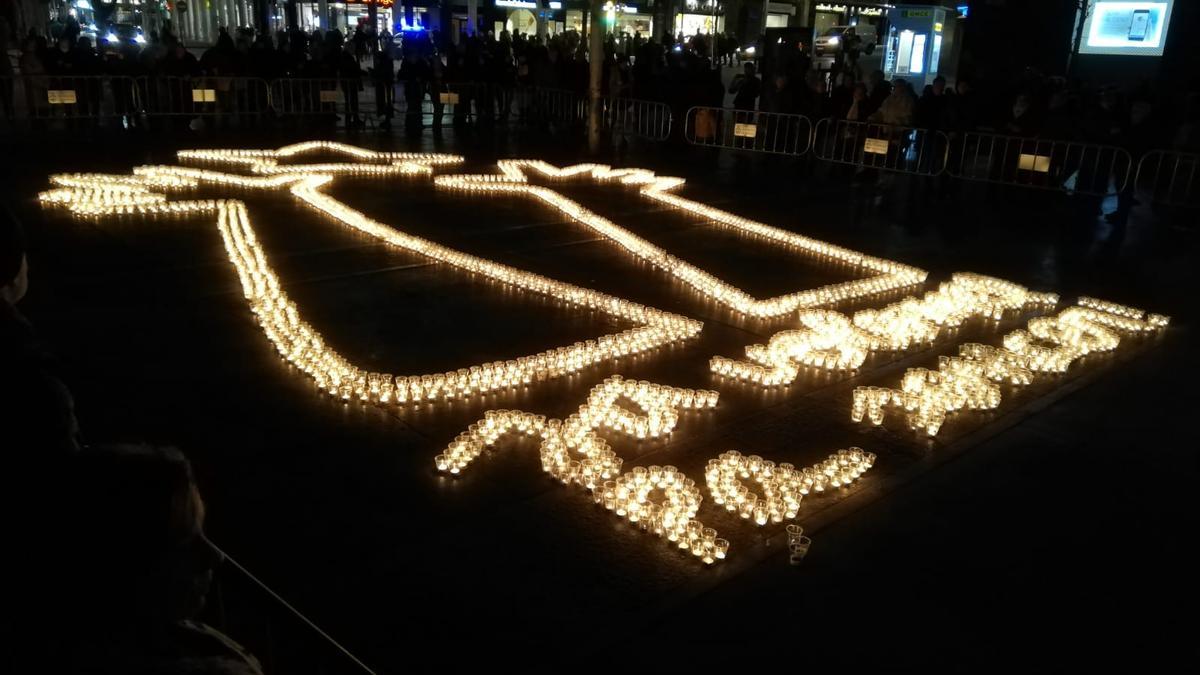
[(814, 99), (221, 58), (931, 108), (841, 97), (179, 62), (437, 86), (1142, 133), (6, 72), (347, 69), (122, 62), (504, 75), (383, 75), (33, 74), (60, 61), (851, 48), (878, 89), (414, 73), (899, 108), (857, 112), (783, 97), (1021, 119), (746, 89)]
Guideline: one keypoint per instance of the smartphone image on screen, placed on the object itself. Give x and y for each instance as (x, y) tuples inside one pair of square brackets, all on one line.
[(1137, 27)]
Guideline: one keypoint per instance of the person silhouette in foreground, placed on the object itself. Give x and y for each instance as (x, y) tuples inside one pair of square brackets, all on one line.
[(37, 412), (127, 569)]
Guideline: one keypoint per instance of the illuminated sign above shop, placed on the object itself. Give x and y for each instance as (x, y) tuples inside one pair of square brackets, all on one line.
[(1127, 28), (859, 11), (527, 4)]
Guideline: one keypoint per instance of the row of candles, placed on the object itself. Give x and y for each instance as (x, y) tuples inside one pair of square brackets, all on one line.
[(885, 275), (302, 345), (970, 381), (783, 485), (572, 451), (833, 341)]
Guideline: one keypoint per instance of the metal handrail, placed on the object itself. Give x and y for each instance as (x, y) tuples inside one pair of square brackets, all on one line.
[(287, 605)]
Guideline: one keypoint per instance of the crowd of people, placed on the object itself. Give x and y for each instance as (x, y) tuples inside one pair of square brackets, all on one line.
[(680, 71)]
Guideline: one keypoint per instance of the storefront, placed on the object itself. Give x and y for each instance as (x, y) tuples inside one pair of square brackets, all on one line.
[(703, 17), (626, 19), (779, 14), (358, 11), (196, 22), (346, 15), (522, 15), (868, 18)]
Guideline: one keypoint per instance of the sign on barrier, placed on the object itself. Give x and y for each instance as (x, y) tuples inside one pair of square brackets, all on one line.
[(876, 146), (60, 96), (448, 98), (1036, 163), (204, 96), (330, 96), (742, 130)]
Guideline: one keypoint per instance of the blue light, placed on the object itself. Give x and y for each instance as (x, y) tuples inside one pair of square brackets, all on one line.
[(963, 9)]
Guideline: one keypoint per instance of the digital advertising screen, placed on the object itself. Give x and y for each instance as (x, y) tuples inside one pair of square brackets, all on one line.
[(1120, 27)]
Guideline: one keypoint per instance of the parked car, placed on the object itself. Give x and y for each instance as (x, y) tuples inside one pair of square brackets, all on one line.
[(832, 41), (124, 33)]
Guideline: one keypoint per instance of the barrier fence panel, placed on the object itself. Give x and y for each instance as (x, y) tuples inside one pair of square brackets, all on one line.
[(886, 147), (541, 105), (636, 117), (1169, 178), (347, 101), (234, 98), (1046, 164), (66, 97), (748, 130), (461, 103)]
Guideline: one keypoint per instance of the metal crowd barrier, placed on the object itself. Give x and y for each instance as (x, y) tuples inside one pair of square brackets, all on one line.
[(462, 102), (75, 99), (542, 105), (474, 102), (635, 117), (236, 98), (330, 98), (1082, 168), (886, 147), (1169, 178), (363, 101), (777, 133)]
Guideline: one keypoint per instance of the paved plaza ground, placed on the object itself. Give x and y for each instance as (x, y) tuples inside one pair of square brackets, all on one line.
[(1029, 535)]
